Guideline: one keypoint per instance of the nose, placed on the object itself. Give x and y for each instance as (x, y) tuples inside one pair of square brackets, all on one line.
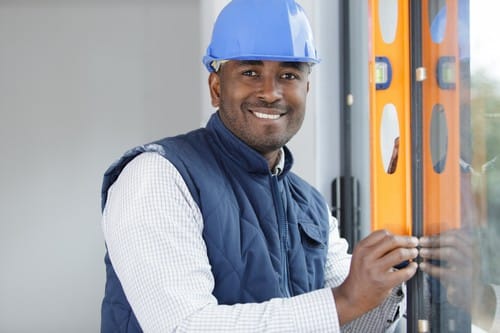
[(269, 90)]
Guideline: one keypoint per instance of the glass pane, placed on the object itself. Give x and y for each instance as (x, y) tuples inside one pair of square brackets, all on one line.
[(483, 185), (461, 288)]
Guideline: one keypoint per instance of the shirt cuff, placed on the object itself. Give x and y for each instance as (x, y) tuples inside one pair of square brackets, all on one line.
[(315, 312), (383, 318)]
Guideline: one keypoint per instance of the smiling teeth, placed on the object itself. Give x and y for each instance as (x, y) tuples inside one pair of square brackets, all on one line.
[(266, 116)]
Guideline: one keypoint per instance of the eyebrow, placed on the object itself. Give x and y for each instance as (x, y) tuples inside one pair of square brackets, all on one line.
[(250, 62), (301, 66)]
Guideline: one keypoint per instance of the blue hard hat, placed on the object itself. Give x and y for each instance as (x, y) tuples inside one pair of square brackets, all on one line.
[(275, 30)]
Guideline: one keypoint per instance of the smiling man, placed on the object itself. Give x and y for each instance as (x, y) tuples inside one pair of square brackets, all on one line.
[(211, 231)]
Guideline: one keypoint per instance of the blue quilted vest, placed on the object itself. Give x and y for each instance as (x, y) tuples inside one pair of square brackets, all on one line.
[(266, 235)]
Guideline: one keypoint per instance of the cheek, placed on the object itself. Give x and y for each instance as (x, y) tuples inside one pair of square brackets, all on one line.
[(233, 97), (298, 101)]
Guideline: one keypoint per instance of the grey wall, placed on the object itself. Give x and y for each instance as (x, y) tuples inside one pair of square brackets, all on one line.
[(80, 82), (360, 136)]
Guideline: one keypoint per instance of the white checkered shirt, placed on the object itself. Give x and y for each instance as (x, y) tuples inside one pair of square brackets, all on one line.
[(153, 232)]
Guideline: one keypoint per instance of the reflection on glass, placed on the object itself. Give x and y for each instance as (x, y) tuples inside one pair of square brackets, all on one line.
[(437, 17), (389, 138), (453, 260), (462, 266), (484, 171), (439, 138), (485, 137)]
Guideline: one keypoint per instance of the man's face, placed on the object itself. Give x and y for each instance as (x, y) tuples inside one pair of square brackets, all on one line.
[(261, 102)]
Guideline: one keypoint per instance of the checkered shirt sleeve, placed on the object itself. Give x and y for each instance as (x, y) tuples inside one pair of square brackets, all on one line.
[(153, 232)]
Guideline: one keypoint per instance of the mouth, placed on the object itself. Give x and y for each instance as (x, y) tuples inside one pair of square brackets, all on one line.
[(261, 115)]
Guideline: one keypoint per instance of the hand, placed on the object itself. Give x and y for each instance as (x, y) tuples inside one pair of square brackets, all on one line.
[(458, 264), (459, 271), (372, 275)]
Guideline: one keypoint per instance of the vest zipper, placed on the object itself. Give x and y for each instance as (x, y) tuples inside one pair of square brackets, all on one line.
[(283, 234)]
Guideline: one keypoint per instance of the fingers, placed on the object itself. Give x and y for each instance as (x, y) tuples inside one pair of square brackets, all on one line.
[(397, 276), (378, 254), (456, 247), (449, 257), (388, 249), (399, 257), (447, 254), (389, 240), (451, 238), (372, 276), (443, 273)]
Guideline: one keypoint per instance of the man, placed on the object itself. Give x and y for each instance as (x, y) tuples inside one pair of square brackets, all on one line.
[(211, 232)]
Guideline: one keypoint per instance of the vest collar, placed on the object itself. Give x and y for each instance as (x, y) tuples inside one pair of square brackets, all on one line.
[(243, 155)]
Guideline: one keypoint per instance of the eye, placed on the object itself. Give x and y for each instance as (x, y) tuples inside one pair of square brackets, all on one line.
[(250, 73), (289, 76)]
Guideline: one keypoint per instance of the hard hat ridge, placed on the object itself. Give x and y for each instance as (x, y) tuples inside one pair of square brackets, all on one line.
[(261, 30)]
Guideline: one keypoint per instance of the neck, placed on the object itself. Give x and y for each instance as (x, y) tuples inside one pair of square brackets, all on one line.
[(273, 158)]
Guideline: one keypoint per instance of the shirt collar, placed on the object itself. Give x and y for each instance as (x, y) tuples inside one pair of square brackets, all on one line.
[(278, 169)]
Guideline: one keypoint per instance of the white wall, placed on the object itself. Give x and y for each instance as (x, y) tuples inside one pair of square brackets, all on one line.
[(80, 82)]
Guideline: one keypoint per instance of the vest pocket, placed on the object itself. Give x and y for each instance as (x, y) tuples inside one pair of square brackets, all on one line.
[(310, 235)]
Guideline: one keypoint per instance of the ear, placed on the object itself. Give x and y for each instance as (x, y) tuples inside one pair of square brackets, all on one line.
[(214, 87), (307, 86)]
